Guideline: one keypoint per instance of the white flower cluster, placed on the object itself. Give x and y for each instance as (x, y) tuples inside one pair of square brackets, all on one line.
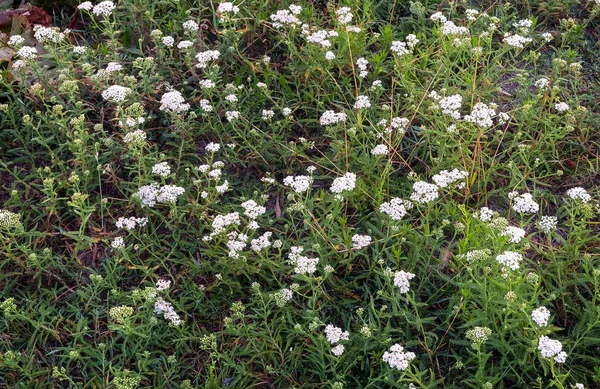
[(232, 115), (267, 114), (162, 285), (212, 147), (484, 214), (283, 296), (86, 6), (399, 124), (329, 118), (401, 280), (479, 334), (510, 259), (129, 223), (221, 222), (191, 26), (380, 150), (516, 40), (152, 194), (449, 28), (471, 14), (227, 7), (546, 224), (184, 45), (540, 316), (300, 184), (27, 52), (515, 234), (397, 358), (236, 242), (322, 37), (286, 17), (561, 106), (481, 115), (205, 57), (174, 102), (542, 83), (118, 243), (401, 48), (360, 241), (478, 255), (161, 169), (262, 242), (579, 193), (335, 334), (424, 192), (104, 8), (450, 105), (362, 102), (396, 208), (112, 67), (48, 34), (252, 209), (164, 308), (168, 41), (445, 177), (525, 204), (551, 348), (116, 93), (15, 40), (344, 15), (136, 137), (361, 64), (303, 264), (345, 183)]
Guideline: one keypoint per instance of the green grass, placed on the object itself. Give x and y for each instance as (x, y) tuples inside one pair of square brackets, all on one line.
[(81, 308)]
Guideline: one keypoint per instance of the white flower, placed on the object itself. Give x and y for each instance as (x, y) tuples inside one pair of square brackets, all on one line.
[(267, 114), (362, 102), (191, 26), (104, 8), (183, 45), (579, 193), (451, 105), (360, 241), (396, 208), (525, 204), (161, 169), (344, 15), (338, 350), (300, 184), (228, 7), (27, 52), (380, 150), (401, 280), (546, 224), (303, 264), (131, 222), (163, 285), (135, 137), (397, 358), (471, 14), (335, 334), (118, 243), (212, 147), (540, 316), (286, 17), (232, 115), (515, 234), (330, 117), (174, 102), (162, 307), (347, 182), (15, 40), (510, 259), (116, 93), (547, 37), (262, 242), (252, 209), (445, 177), (449, 28), (561, 107), (286, 112), (438, 16), (424, 192), (329, 56), (516, 40), (549, 348), (86, 6), (542, 83), (481, 115), (168, 41), (207, 84), (205, 57), (79, 49)]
